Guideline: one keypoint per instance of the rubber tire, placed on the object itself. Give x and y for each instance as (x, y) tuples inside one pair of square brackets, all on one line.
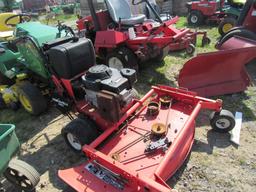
[(25, 169), (206, 41), (35, 97), (84, 129), (237, 32), (191, 49), (160, 57), (199, 16), (227, 20), (5, 80), (215, 116), (126, 56)]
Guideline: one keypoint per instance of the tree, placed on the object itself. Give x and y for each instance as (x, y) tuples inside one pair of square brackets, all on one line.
[(9, 4)]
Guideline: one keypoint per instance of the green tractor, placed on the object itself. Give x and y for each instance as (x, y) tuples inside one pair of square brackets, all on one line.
[(24, 76)]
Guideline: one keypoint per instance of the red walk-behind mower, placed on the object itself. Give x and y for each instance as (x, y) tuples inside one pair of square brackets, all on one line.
[(224, 71), (143, 146), (124, 39)]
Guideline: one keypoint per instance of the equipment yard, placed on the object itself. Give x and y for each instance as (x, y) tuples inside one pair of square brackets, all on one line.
[(215, 164)]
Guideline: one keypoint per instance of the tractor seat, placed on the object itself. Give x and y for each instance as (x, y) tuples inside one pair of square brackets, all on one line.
[(121, 10)]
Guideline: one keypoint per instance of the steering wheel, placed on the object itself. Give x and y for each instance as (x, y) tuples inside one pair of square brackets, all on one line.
[(68, 30), (22, 18), (136, 2)]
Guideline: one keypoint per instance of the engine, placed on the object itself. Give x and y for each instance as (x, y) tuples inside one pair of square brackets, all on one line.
[(109, 90)]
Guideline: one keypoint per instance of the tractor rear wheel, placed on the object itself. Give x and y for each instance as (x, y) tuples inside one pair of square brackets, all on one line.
[(122, 58), (195, 18), (223, 121), (79, 132), (22, 175), (225, 25), (31, 98)]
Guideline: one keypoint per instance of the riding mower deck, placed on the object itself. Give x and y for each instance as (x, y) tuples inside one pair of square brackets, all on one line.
[(224, 72), (124, 40), (224, 12), (145, 146)]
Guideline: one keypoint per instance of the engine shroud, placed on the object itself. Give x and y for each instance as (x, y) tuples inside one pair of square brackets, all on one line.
[(109, 90)]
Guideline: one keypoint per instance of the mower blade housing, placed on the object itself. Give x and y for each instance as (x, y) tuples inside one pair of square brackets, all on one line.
[(221, 72)]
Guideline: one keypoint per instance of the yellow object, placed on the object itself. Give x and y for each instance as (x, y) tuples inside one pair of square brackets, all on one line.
[(227, 27), (21, 76), (3, 17), (8, 94), (25, 102)]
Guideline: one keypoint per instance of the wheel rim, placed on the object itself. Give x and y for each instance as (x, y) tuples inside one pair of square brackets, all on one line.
[(190, 49), (227, 27), (25, 103), (74, 142), (115, 62), (223, 123), (19, 179), (194, 19)]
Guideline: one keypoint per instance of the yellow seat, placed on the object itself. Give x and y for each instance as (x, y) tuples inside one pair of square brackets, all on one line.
[(3, 17)]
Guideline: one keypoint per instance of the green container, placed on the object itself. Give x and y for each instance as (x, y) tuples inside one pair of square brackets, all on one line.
[(9, 145)]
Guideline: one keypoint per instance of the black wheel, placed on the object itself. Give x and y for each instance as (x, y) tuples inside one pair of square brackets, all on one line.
[(237, 32), (122, 58), (195, 18), (225, 25), (22, 175), (206, 41), (223, 121), (191, 49), (5, 80), (31, 98), (79, 132), (160, 57)]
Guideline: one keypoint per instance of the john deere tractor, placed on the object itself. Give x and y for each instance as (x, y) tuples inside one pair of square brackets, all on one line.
[(24, 76)]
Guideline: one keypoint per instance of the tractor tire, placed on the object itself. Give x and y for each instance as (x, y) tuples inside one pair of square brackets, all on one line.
[(195, 18), (31, 98), (23, 176), (237, 32), (79, 132), (122, 58), (225, 25), (5, 80), (223, 121)]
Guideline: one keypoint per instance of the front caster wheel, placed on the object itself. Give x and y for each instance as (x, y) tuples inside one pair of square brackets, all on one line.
[(22, 175), (206, 41), (191, 49), (223, 121)]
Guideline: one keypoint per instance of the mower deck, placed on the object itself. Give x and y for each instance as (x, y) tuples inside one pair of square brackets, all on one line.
[(146, 150)]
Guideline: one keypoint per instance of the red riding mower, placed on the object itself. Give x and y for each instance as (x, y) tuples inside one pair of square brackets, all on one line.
[(124, 39), (224, 71), (141, 147), (224, 12)]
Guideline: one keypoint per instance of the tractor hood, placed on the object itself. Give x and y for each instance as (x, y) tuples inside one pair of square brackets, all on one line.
[(42, 33)]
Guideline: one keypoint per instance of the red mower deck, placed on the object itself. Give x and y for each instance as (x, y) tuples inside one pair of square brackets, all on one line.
[(145, 148)]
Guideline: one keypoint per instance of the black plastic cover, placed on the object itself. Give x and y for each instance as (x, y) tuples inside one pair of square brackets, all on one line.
[(72, 58)]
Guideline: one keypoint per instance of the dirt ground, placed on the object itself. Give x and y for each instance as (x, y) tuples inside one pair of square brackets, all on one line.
[(215, 163)]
